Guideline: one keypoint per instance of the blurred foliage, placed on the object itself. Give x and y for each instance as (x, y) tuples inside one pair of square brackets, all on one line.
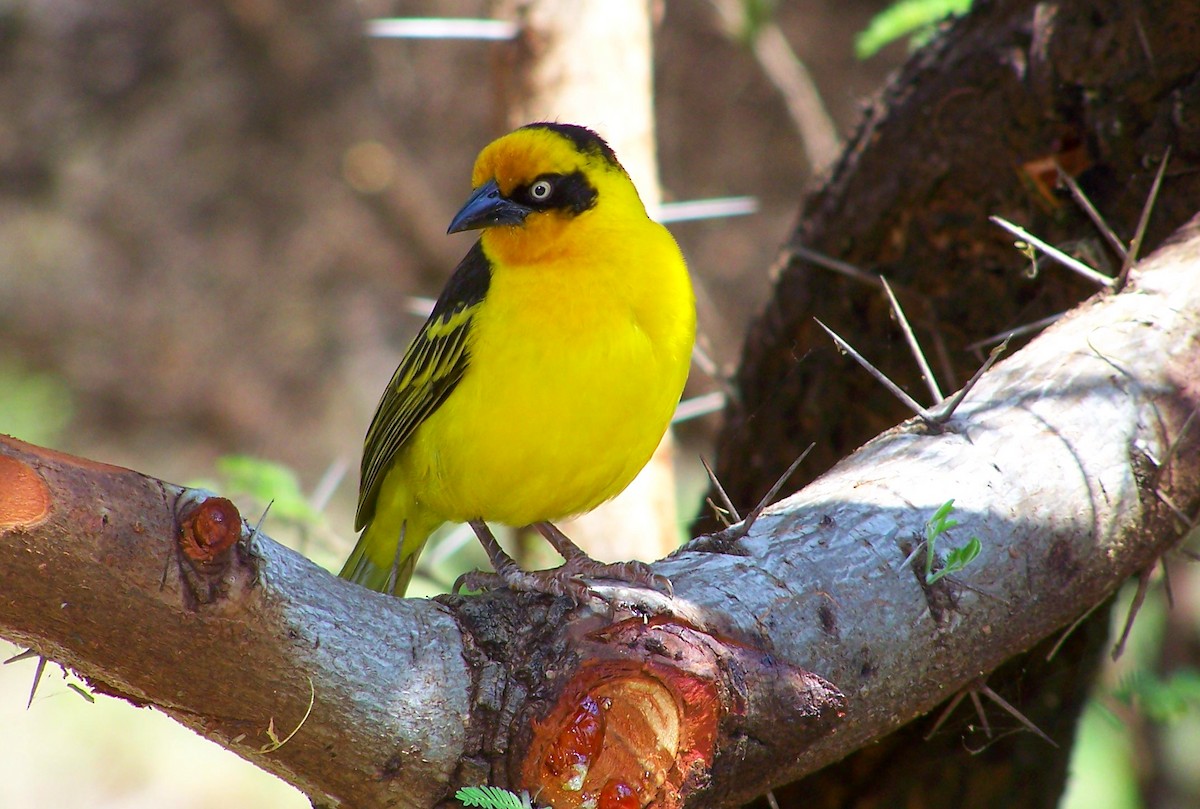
[(1160, 699), (913, 18), (1102, 770), (268, 482), (34, 406), (755, 14)]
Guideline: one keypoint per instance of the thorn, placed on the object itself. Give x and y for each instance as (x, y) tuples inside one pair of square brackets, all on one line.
[(1176, 510), (258, 525), (1069, 631), (1071, 263), (769, 497), (908, 401), (28, 654), (945, 714), (1135, 246), (1144, 40), (944, 415), (922, 363), (37, 677), (771, 801), (735, 532), (725, 501), (1114, 241), (983, 720), (1020, 717), (1169, 456), (836, 265), (973, 690), (1017, 331), (1138, 597)]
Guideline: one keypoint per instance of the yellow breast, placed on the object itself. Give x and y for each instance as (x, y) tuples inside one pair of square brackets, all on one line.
[(576, 365)]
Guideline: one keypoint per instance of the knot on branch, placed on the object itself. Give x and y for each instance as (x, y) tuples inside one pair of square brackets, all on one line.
[(209, 530)]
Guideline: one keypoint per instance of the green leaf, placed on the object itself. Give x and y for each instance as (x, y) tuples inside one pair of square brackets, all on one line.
[(490, 797), (904, 18)]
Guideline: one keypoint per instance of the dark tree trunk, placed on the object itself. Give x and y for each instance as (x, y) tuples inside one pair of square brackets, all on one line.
[(972, 127)]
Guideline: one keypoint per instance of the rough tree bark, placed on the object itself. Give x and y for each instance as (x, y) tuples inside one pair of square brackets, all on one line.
[(971, 127), (779, 653), (413, 698)]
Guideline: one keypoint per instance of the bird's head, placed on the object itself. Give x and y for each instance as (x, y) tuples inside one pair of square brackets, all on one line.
[(542, 189)]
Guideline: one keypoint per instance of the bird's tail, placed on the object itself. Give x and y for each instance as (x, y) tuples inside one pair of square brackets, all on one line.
[(384, 558)]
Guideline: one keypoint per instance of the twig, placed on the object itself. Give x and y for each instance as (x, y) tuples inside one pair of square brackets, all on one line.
[(697, 209), (698, 406), (922, 363), (332, 478), (1135, 246), (791, 78), (441, 28), (1069, 262)]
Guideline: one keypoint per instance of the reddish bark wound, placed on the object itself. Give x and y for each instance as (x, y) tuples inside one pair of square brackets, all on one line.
[(24, 496)]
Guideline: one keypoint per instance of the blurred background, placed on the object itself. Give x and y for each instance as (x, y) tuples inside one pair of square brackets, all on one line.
[(217, 222)]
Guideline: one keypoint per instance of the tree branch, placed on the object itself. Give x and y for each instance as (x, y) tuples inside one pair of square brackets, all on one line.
[(733, 686)]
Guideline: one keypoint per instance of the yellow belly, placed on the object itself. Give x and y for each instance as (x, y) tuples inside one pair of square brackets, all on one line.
[(563, 403)]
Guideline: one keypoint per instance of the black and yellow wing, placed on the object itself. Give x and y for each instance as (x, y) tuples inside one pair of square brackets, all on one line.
[(433, 365)]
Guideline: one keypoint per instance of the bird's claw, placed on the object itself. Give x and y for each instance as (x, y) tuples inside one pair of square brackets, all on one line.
[(570, 579)]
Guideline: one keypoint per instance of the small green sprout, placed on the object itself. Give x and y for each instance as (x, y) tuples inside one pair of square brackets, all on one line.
[(958, 558), (489, 797)]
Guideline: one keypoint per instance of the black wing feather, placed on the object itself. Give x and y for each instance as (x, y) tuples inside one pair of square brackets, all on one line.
[(431, 368)]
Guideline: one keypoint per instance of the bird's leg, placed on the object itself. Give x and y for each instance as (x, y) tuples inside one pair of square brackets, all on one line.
[(509, 574), (562, 543), (568, 580), (578, 565)]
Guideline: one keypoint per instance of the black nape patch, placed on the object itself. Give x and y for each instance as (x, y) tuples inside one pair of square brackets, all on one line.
[(585, 140)]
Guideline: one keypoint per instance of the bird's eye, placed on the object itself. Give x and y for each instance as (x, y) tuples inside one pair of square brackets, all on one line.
[(541, 190)]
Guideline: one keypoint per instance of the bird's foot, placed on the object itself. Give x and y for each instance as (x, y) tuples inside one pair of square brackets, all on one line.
[(570, 579)]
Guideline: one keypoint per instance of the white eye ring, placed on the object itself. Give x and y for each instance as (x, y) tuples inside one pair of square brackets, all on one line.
[(541, 190)]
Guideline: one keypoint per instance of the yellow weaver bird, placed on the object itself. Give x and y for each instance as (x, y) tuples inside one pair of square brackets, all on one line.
[(545, 376)]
